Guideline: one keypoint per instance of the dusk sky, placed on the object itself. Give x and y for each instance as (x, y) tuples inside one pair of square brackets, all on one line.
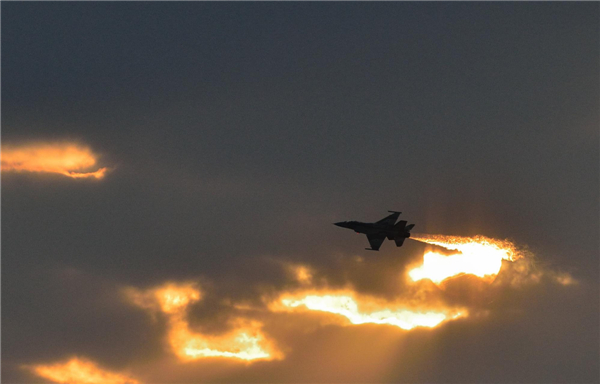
[(171, 173)]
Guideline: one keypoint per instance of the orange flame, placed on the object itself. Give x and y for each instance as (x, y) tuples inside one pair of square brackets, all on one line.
[(479, 255), (244, 342), (67, 159), (80, 371), (349, 305)]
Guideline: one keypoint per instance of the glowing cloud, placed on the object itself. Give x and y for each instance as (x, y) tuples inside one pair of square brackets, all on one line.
[(300, 273), (349, 305), (565, 279), (480, 256), (80, 371), (244, 342), (68, 159)]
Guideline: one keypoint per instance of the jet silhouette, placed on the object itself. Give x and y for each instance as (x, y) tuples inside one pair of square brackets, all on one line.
[(378, 231)]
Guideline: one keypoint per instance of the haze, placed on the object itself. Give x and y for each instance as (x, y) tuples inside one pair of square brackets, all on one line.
[(186, 234)]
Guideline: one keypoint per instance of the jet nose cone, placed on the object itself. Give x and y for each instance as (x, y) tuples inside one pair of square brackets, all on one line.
[(340, 224)]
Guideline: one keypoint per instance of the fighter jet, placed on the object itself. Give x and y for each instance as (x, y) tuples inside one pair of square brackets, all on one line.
[(378, 231)]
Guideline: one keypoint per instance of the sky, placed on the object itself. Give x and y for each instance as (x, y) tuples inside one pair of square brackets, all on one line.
[(171, 173)]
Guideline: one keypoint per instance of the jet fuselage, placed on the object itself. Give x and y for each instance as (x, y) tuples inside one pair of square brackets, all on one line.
[(377, 232), (374, 229)]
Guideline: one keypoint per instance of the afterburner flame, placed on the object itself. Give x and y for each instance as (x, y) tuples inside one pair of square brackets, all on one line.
[(68, 159), (245, 341), (80, 371), (363, 310), (480, 256)]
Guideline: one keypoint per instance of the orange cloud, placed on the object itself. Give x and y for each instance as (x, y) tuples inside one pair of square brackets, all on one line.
[(244, 342), (565, 279), (80, 371), (68, 159), (361, 309), (300, 273)]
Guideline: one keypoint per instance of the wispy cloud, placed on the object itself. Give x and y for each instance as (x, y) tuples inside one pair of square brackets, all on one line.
[(69, 159), (80, 371)]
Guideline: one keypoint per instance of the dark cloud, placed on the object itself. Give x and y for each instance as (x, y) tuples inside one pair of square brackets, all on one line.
[(238, 133)]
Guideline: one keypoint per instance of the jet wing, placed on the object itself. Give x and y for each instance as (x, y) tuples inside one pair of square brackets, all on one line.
[(375, 242), (389, 220)]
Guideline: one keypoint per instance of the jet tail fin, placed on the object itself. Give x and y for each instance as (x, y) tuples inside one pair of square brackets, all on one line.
[(409, 227), (400, 225)]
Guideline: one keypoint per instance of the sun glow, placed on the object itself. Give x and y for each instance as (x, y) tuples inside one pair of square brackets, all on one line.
[(365, 310), (245, 341), (68, 159), (480, 256), (80, 371)]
